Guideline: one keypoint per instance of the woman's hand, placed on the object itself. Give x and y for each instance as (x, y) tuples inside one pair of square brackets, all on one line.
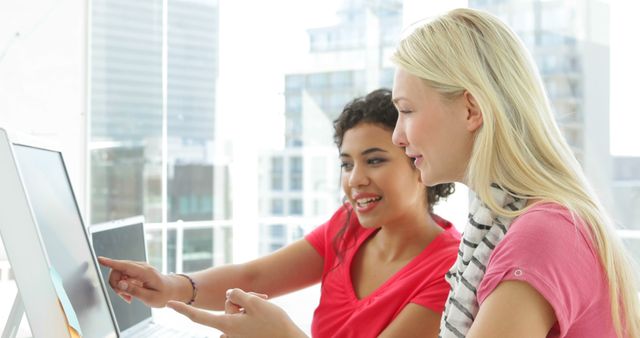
[(247, 315), (138, 279)]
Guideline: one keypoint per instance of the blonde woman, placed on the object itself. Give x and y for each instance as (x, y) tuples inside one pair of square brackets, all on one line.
[(539, 256)]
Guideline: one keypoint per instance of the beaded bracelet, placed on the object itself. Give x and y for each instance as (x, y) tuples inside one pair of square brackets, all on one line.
[(194, 288)]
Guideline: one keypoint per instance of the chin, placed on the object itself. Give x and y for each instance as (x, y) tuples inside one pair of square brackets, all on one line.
[(430, 180), (367, 222), (427, 180)]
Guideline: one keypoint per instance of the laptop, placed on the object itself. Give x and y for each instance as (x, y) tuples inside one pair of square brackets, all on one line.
[(125, 239)]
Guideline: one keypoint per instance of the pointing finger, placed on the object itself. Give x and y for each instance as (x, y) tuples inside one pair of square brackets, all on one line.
[(128, 268)]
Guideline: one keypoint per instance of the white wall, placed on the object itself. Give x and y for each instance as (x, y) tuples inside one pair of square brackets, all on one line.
[(42, 76)]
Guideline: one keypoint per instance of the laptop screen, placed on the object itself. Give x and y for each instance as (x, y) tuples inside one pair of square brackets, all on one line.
[(64, 237), (122, 240)]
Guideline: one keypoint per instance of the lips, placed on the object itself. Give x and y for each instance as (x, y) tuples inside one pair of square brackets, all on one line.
[(417, 159), (365, 202)]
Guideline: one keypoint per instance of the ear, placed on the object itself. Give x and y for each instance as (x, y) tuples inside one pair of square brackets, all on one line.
[(474, 114)]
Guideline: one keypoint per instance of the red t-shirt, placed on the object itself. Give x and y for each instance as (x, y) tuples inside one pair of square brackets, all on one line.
[(341, 314), (551, 251)]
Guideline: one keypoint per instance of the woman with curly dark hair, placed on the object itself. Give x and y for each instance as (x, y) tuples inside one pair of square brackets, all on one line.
[(381, 258), (377, 109)]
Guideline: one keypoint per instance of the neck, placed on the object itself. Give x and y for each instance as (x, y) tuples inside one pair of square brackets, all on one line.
[(404, 240)]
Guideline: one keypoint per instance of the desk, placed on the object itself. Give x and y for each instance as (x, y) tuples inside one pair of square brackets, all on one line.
[(299, 305), (170, 318)]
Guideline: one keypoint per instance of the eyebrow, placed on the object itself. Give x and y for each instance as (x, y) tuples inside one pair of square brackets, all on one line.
[(396, 99), (366, 152)]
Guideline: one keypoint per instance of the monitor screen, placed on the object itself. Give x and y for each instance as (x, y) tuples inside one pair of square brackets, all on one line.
[(123, 241), (65, 240)]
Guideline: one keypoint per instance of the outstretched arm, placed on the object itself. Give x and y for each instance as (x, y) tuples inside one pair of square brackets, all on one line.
[(291, 268)]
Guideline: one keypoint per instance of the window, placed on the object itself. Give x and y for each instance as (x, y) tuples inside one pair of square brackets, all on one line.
[(277, 173), (126, 110), (295, 170), (172, 250), (278, 231), (295, 207), (277, 206), (197, 249), (153, 143)]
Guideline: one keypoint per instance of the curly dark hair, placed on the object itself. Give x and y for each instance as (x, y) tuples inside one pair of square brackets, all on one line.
[(376, 108)]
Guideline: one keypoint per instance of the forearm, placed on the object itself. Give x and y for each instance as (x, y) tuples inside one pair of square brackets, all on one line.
[(211, 285), (296, 266)]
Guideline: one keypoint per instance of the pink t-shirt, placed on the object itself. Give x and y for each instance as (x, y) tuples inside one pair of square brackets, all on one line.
[(551, 251), (341, 314)]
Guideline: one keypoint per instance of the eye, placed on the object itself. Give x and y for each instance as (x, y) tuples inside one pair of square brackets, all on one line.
[(405, 112), (376, 161), (346, 166)]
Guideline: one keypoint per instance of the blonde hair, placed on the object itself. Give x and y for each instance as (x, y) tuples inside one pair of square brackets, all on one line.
[(519, 146)]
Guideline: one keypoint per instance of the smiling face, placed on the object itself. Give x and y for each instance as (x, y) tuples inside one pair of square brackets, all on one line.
[(437, 132), (378, 179)]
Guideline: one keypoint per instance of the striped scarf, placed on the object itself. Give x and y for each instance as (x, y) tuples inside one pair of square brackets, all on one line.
[(481, 235)]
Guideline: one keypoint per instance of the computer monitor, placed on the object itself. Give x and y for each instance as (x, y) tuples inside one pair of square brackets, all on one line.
[(43, 231)]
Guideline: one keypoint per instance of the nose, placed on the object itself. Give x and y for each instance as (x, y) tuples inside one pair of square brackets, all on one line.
[(399, 138), (358, 177)]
